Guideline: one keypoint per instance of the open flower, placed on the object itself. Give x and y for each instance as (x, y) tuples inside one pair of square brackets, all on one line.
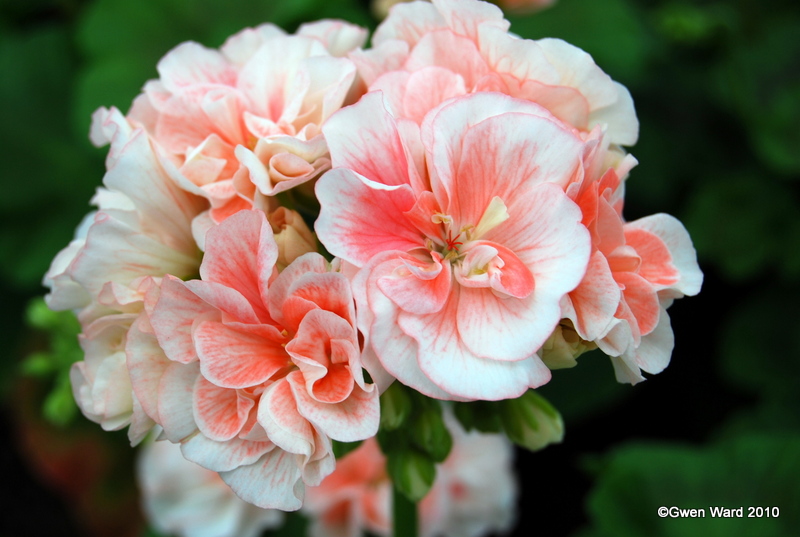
[(243, 122), (140, 232), (259, 371), (413, 63), (465, 238)]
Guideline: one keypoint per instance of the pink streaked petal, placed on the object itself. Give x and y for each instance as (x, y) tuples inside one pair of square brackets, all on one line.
[(173, 317), (241, 254), (364, 138), (146, 365), (281, 288), (220, 413), (141, 424), (656, 266), (329, 292), (396, 351), (595, 300), (607, 229), (642, 300), (491, 265), (191, 63), (654, 352), (272, 482), (339, 37), (435, 49), (677, 240), (278, 414), (427, 88), (360, 218), (224, 300), (236, 355), (447, 362), (466, 18), (418, 286), (353, 419), (408, 22), (223, 456), (175, 401)]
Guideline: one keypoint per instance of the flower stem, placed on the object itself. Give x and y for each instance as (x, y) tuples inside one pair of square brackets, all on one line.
[(404, 515)]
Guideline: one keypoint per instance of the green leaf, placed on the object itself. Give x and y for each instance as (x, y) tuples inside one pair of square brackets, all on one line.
[(755, 470)]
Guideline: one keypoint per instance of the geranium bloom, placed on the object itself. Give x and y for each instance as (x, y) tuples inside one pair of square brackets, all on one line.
[(412, 61), (635, 271), (474, 492), (141, 232), (181, 498), (466, 239), (243, 122), (259, 371)]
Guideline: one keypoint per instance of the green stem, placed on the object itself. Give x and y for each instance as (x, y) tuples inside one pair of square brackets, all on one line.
[(404, 515)]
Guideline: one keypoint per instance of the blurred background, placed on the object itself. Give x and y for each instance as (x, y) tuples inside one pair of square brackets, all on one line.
[(717, 90)]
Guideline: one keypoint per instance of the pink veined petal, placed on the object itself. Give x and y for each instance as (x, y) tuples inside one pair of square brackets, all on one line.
[(272, 482), (491, 265), (654, 352), (360, 218), (174, 316), (190, 63), (408, 22), (364, 138), (236, 355), (448, 363), (338, 37), (281, 288), (220, 413), (396, 351), (642, 300), (417, 286), (224, 456), (323, 349), (241, 253), (595, 299), (443, 135), (677, 240), (427, 88), (141, 424), (277, 413), (436, 49), (175, 401), (353, 419), (656, 266), (146, 363), (466, 18), (329, 291)]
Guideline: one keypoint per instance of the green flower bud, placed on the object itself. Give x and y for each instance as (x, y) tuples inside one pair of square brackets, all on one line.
[(395, 407), (412, 473), (531, 422), (563, 347)]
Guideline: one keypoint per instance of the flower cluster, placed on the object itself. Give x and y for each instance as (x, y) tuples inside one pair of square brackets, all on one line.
[(467, 186)]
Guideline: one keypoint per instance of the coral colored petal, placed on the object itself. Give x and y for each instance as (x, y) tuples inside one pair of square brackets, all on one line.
[(278, 414), (236, 355), (595, 300), (656, 266), (174, 316), (241, 254), (416, 286), (354, 419), (642, 300), (359, 218), (220, 413)]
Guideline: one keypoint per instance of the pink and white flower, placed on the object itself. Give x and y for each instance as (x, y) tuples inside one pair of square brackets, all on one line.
[(182, 498), (140, 232), (474, 492), (243, 122), (636, 270), (413, 63), (251, 371), (465, 238)]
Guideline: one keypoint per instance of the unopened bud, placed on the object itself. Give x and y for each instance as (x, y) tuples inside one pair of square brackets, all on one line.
[(531, 422), (412, 472), (292, 236), (564, 346)]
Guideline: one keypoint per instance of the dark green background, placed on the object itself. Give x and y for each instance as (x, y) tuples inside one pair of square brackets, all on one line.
[(717, 90)]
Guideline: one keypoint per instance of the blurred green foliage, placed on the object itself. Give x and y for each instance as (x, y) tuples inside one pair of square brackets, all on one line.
[(717, 89)]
